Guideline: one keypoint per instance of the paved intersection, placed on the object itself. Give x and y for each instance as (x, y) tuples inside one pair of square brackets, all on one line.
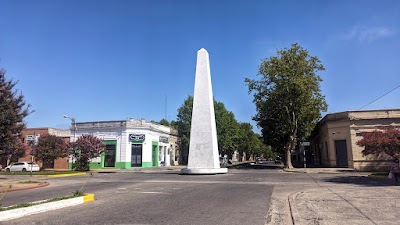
[(257, 194)]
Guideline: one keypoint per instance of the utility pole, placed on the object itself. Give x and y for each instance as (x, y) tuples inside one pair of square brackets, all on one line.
[(33, 150), (73, 126)]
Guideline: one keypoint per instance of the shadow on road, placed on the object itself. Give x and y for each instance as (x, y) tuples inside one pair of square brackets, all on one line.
[(363, 181), (252, 166)]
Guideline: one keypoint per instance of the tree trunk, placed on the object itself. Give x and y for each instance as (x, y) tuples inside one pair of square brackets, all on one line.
[(288, 154)]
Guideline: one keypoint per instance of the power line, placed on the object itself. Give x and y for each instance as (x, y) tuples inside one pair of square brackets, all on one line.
[(379, 97)]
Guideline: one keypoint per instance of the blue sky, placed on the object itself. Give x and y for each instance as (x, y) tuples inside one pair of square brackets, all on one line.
[(112, 60)]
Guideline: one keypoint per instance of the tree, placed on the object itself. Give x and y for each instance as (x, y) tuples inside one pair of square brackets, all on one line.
[(13, 111), (49, 148), (184, 119), (288, 98), (86, 148), (173, 124), (377, 142), (164, 122), (227, 128)]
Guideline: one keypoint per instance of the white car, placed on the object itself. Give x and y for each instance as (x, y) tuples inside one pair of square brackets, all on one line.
[(22, 166)]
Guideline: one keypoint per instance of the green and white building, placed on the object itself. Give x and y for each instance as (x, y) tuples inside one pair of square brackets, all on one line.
[(131, 143)]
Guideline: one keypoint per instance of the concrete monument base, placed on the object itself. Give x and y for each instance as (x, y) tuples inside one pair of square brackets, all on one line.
[(204, 171)]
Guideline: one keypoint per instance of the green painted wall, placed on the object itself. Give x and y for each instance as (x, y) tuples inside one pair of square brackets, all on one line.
[(147, 164), (118, 165), (102, 159), (122, 165), (95, 165), (154, 153)]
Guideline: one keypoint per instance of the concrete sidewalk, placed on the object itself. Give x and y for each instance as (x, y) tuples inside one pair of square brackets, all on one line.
[(346, 205), (353, 198), (324, 170)]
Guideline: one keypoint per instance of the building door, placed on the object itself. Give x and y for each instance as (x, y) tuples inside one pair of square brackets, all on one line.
[(136, 159), (155, 154), (109, 158), (341, 153)]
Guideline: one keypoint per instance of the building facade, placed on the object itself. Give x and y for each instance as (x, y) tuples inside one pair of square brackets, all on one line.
[(32, 136), (333, 141), (131, 143)]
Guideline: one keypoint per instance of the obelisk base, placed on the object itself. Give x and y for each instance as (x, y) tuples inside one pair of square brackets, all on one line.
[(204, 171)]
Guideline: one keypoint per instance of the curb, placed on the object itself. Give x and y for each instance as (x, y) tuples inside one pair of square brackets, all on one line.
[(27, 188), (289, 171), (35, 209), (294, 213), (67, 174), (378, 176)]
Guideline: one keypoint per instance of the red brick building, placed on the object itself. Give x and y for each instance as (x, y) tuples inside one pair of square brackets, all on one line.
[(31, 134)]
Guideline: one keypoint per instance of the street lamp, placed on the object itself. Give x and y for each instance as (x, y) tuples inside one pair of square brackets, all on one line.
[(73, 125)]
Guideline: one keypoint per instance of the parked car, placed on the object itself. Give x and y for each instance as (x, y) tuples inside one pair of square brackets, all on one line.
[(22, 166), (278, 160)]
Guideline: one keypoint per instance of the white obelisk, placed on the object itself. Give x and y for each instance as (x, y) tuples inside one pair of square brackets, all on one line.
[(203, 149)]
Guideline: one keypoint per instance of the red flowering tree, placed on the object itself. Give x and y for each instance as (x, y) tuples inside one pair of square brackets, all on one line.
[(86, 148), (49, 148), (381, 141)]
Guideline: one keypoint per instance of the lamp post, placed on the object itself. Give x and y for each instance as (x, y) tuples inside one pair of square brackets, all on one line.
[(73, 125)]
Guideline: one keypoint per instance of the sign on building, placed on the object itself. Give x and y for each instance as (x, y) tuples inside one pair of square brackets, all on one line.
[(137, 137), (164, 139)]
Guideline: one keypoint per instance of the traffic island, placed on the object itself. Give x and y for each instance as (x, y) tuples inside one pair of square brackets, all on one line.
[(18, 211), (12, 185)]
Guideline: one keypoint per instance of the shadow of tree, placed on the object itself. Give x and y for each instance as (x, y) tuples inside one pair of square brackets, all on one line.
[(247, 166), (363, 181)]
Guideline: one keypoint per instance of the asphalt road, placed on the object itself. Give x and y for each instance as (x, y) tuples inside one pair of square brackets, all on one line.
[(240, 197)]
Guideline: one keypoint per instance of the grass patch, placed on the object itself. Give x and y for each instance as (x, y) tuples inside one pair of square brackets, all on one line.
[(29, 182), (74, 195), (39, 173)]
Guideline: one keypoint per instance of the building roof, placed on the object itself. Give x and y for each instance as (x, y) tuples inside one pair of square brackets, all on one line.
[(361, 115), (126, 124)]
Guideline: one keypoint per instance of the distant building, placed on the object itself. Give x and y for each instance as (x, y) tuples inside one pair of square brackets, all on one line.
[(32, 135), (333, 141), (132, 143)]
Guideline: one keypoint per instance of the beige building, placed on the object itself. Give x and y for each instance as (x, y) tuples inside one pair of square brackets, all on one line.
[(333, 141)]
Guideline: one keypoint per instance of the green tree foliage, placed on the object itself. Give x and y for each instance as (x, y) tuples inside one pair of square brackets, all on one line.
[(164, 122), (50, 147), (13, 111), (231, 134), (183, 122), (385, 141), (173, 124), (86, 148), (227, 129), (245, 142), (288, 98)]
